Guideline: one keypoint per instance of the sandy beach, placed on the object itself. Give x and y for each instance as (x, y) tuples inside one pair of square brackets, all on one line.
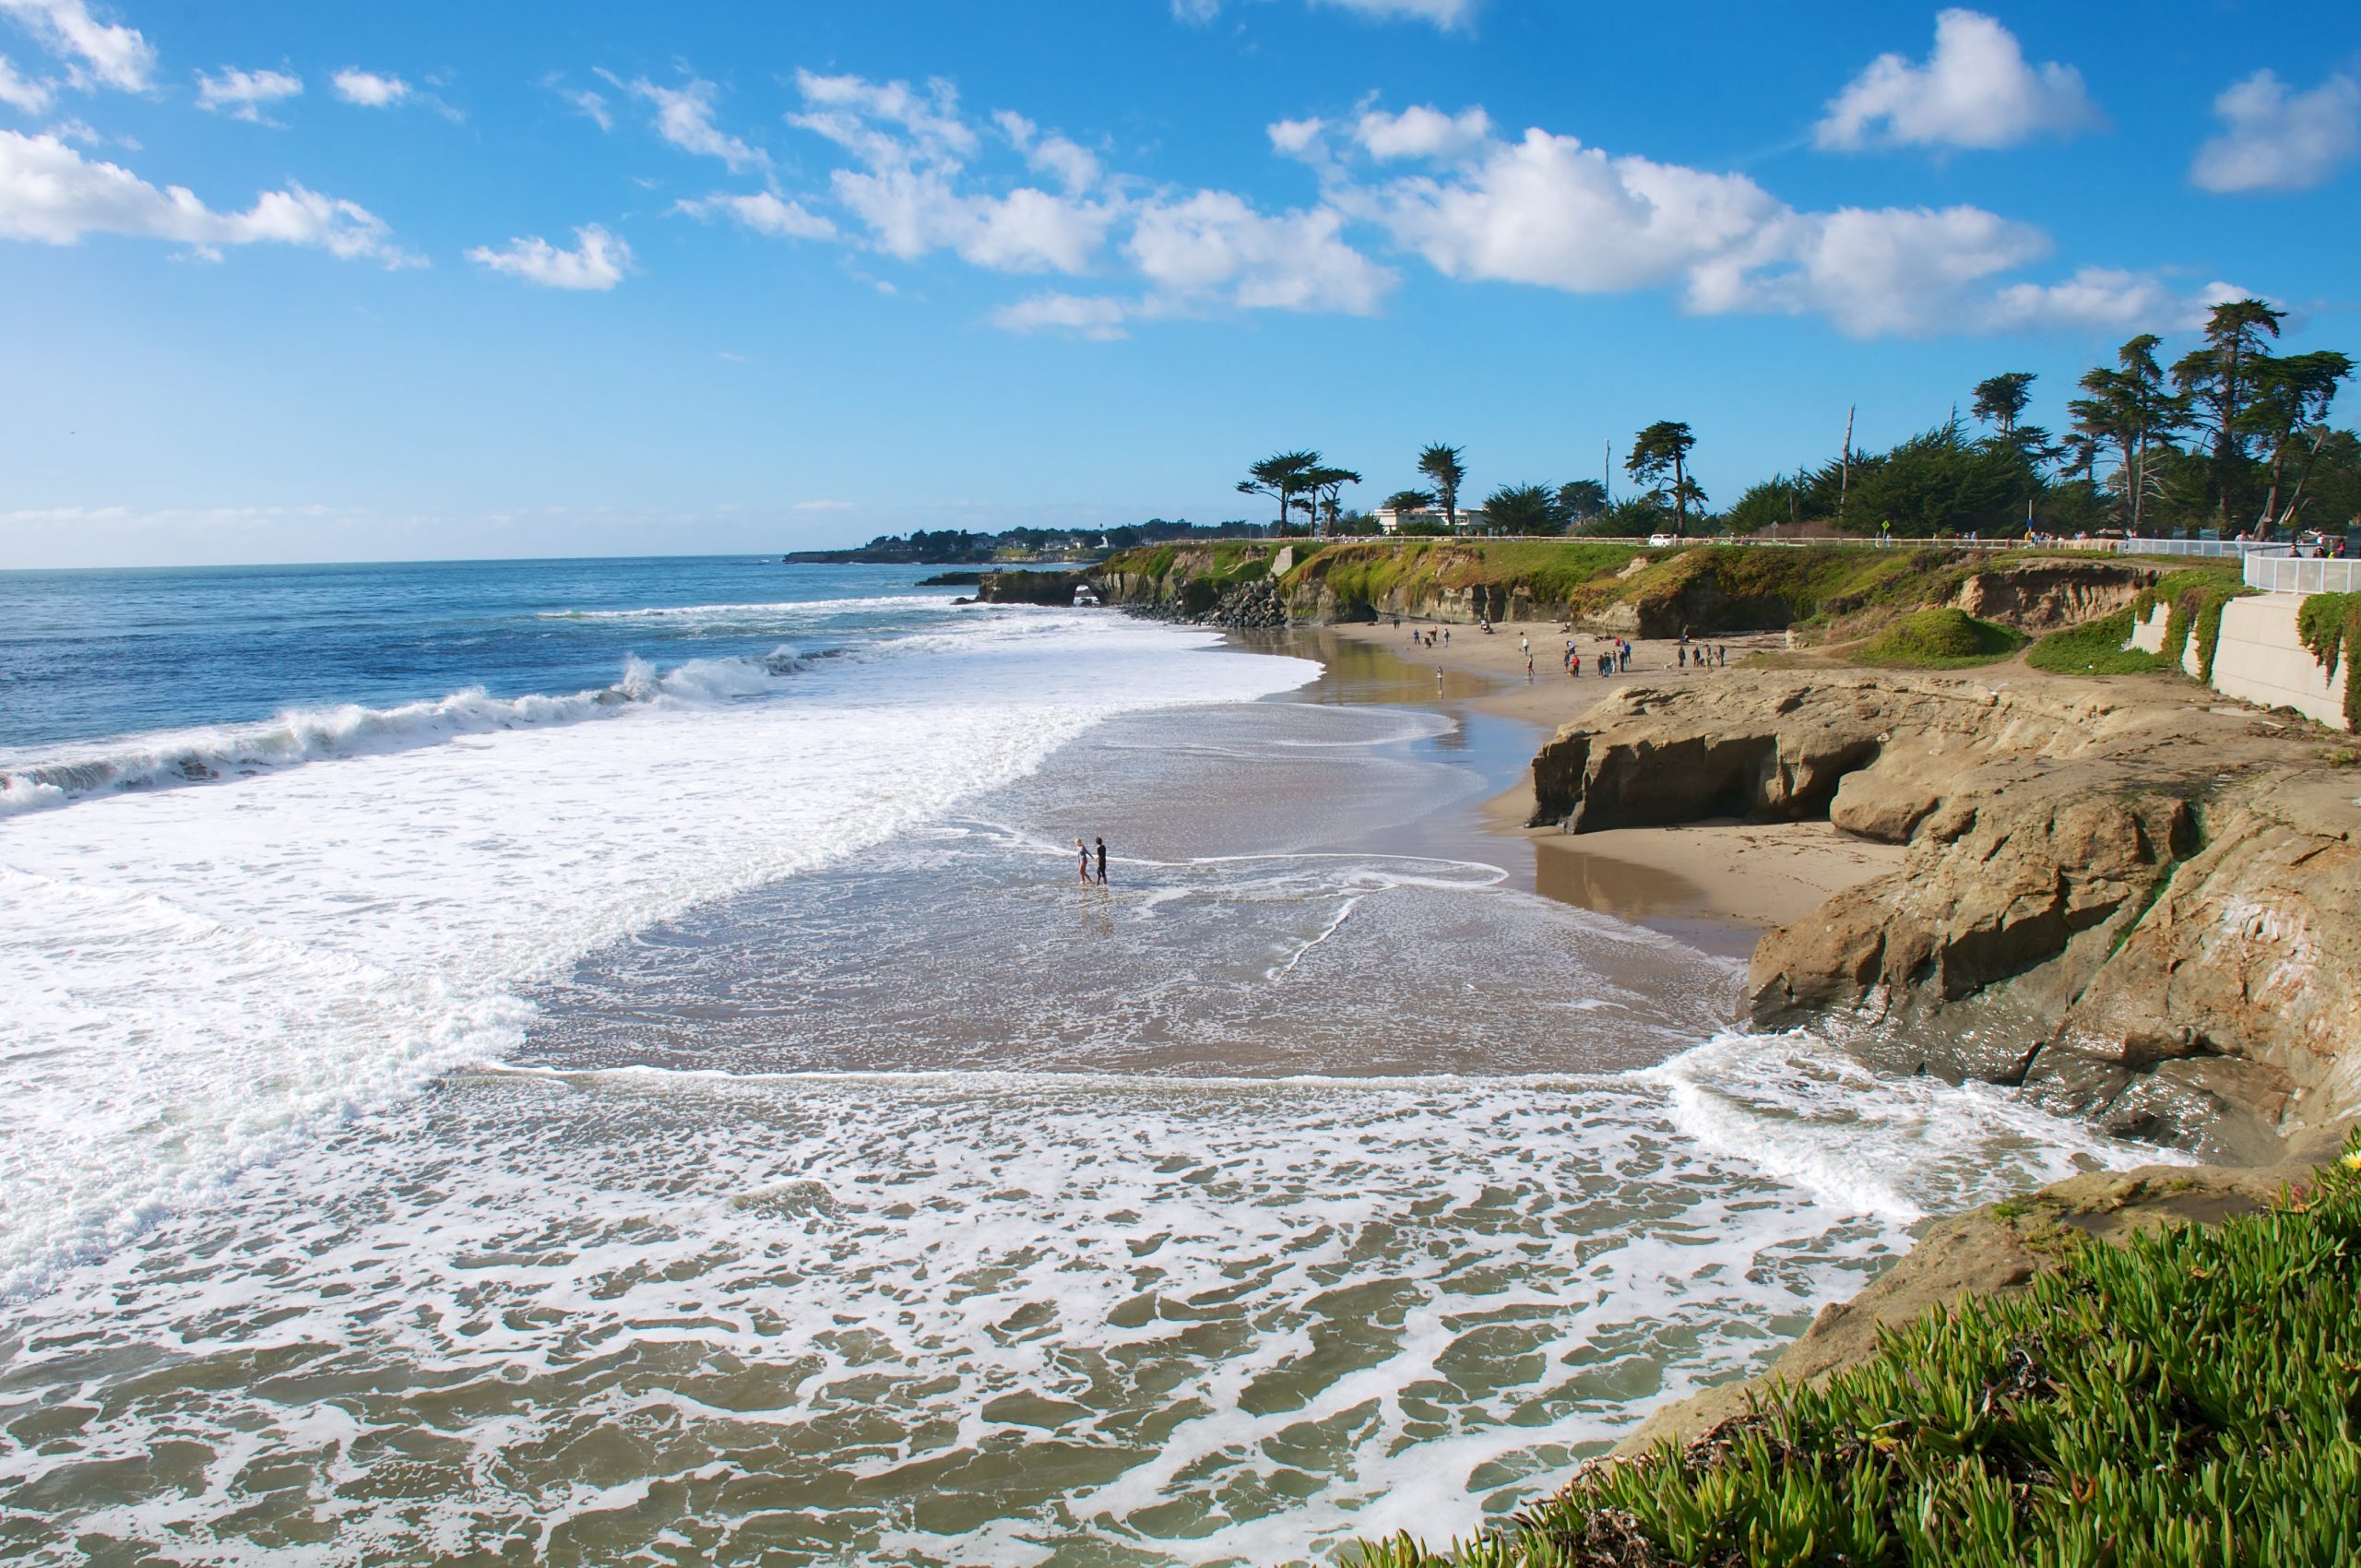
[(1716, 885)]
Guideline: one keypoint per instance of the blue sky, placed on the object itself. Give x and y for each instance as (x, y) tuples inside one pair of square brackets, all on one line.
[(293, 281)]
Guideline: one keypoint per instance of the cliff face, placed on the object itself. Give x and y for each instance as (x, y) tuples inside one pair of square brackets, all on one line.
[(2138, 909), (1704, 590)]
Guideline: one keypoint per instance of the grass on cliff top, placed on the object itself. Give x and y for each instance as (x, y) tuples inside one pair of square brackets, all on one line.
[(1942, 638), (2191, 1398), (2096, 648)]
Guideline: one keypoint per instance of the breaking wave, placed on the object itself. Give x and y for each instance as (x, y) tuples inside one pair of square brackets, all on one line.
[(299, 735)]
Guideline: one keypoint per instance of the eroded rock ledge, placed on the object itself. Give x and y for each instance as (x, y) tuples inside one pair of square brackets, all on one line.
[(2137, 909)]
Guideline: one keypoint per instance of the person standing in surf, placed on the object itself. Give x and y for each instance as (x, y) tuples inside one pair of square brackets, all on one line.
[(1102, 861), (1082, 860)]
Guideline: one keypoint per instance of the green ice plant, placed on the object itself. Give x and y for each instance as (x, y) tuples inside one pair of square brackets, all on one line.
[(2190, 1398)]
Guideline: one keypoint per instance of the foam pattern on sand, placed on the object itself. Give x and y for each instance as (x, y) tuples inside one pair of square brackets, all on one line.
[(204, 973), (635, 1315)]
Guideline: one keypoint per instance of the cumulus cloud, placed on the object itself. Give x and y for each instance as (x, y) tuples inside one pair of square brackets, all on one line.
[(1069, 163), (911, 192), (886, 125), (96, 53), (1095, 318), (765, 213), (370, 90), (1975, 90), (2276, 140), (242, 94), (684, 118), (20, 91), (1214, 246), (1416, 132), (1547, 211), (596, 263), (52, 195)]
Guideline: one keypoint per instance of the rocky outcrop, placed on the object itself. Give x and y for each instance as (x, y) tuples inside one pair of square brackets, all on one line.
[(2042, 596), (1029, 587), (1995, 1251), (2139, 910)]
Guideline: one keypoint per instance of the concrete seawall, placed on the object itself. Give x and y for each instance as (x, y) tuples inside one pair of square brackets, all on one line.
[(2261, 658)]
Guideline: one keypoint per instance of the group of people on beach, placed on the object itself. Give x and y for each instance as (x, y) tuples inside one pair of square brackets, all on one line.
[(1703, 655), (1083, 856)]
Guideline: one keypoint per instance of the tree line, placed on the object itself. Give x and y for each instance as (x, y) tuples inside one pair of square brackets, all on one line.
[(2233, 437)]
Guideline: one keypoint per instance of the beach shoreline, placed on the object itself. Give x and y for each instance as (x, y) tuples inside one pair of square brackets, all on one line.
[(1716, 885)]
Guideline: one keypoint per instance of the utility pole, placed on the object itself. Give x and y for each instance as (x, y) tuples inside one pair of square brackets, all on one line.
[(1607, 467), (1844, 475)]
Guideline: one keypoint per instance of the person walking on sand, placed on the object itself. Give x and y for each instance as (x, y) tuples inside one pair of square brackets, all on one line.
[(1082, 861), (1102, 861)]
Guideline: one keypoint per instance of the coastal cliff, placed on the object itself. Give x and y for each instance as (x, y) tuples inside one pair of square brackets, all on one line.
[(1608, 586), (2135, 908)]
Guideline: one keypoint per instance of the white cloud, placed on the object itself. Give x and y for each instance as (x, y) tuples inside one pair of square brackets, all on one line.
[(97, 53), (598, 261), (684, 118), (1975, 90), (855, 113), (1878, 272), (1214, 245), (1441, 13), (1416, 132), (51, 194), (242, 94), (912, 211), (2105, 297), (765, 213), (1072, 165), (591, 103), (824, 507), (20, 91), (2275, 140), (909, 192), (370, 90), (1098, 318), (1547, 210)]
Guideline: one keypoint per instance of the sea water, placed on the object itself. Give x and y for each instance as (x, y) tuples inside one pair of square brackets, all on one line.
[(609, 1061)]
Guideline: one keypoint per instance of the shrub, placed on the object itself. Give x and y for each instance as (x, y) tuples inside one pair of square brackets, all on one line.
[(2330, 625), (1942, 638), (2187, 1398)]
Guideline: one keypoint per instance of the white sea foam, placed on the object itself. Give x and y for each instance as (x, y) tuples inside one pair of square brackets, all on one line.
[(218, 969), (59, 776), (772, 612), (982, 1317)]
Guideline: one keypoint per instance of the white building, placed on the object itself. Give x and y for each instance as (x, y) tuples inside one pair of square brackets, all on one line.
[(1471, 519)]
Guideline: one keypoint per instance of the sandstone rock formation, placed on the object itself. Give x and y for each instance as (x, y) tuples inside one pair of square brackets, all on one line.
[(2043, 596), (2138, 910)]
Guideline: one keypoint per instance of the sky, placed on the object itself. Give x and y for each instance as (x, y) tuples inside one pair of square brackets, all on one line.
[(290, 281)]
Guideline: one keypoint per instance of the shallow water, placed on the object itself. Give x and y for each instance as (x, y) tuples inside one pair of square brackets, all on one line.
[(726, 1132)]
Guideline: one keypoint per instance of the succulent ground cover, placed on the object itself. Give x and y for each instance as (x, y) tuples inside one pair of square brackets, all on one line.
[(2192, 1397)]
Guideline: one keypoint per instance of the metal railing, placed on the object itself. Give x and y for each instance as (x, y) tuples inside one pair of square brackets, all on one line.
[(2293, 574)]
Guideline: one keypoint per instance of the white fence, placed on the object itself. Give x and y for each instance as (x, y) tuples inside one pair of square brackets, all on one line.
[(2289, 573)]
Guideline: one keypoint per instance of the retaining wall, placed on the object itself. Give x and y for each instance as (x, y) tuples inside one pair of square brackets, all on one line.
[(2261, 658)]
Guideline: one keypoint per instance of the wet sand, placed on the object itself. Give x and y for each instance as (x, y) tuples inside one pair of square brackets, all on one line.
[(1715, 885)]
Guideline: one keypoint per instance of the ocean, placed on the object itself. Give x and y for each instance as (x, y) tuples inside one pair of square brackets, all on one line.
[(609, 1062)]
